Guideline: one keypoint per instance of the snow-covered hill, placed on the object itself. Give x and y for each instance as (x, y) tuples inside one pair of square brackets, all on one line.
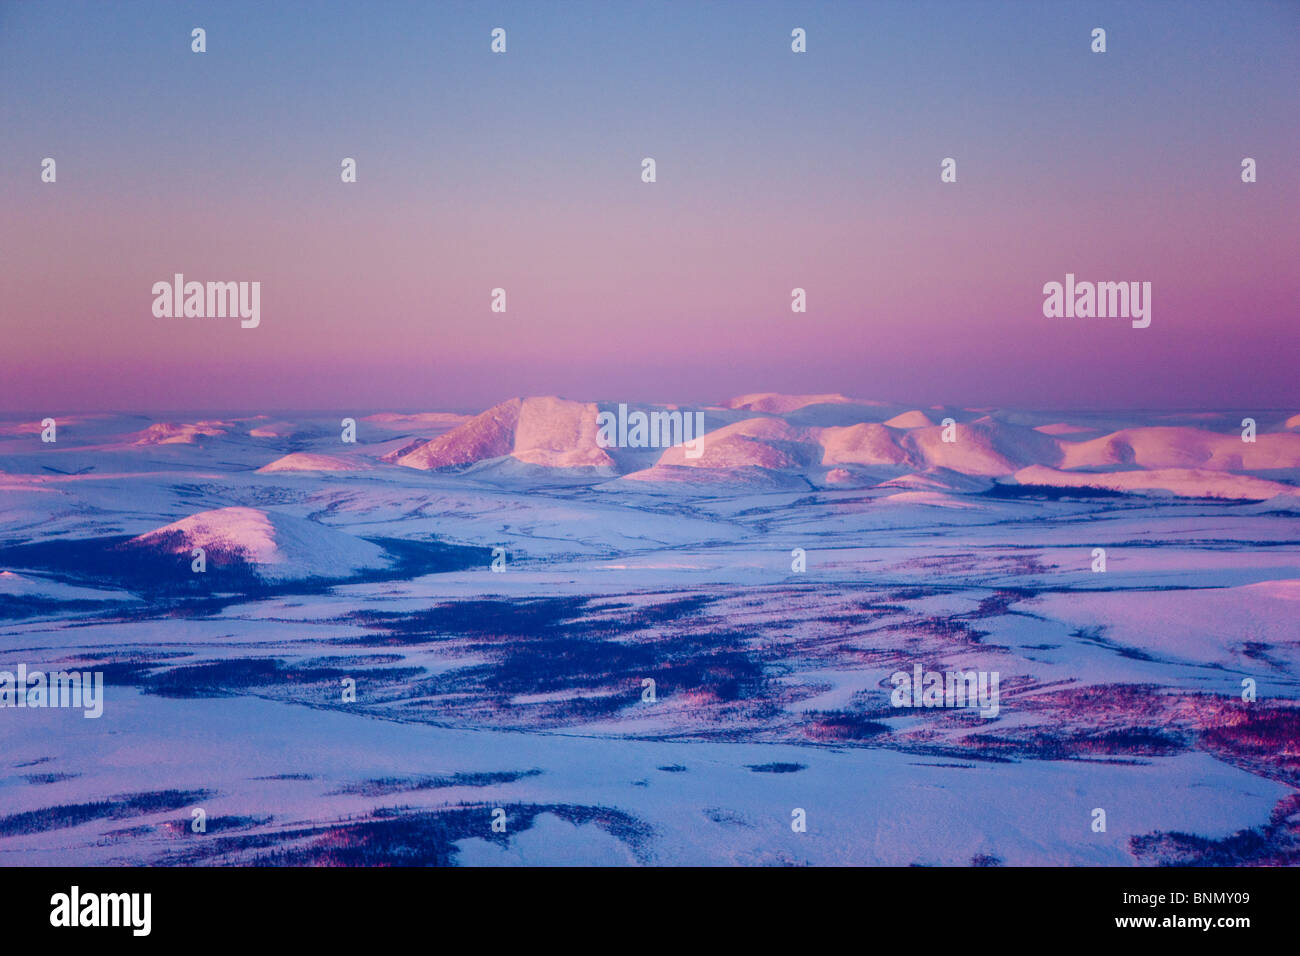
[(278, 547)]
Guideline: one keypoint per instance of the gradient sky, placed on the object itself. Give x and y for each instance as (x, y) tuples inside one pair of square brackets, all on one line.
[(522, 171)]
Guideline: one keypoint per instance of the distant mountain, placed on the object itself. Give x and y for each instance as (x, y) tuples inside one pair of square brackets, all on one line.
[(774, 403), (175, 433), (768, 440), (551, 432), (489, 434), (307, 461), (1182, 482), (1182, 447), (1064, 428), (913, 419), (440, 421), (755, 442), (864, 444), (982, 447)]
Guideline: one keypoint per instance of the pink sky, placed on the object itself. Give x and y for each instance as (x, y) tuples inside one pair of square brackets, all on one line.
[(774, 172)]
